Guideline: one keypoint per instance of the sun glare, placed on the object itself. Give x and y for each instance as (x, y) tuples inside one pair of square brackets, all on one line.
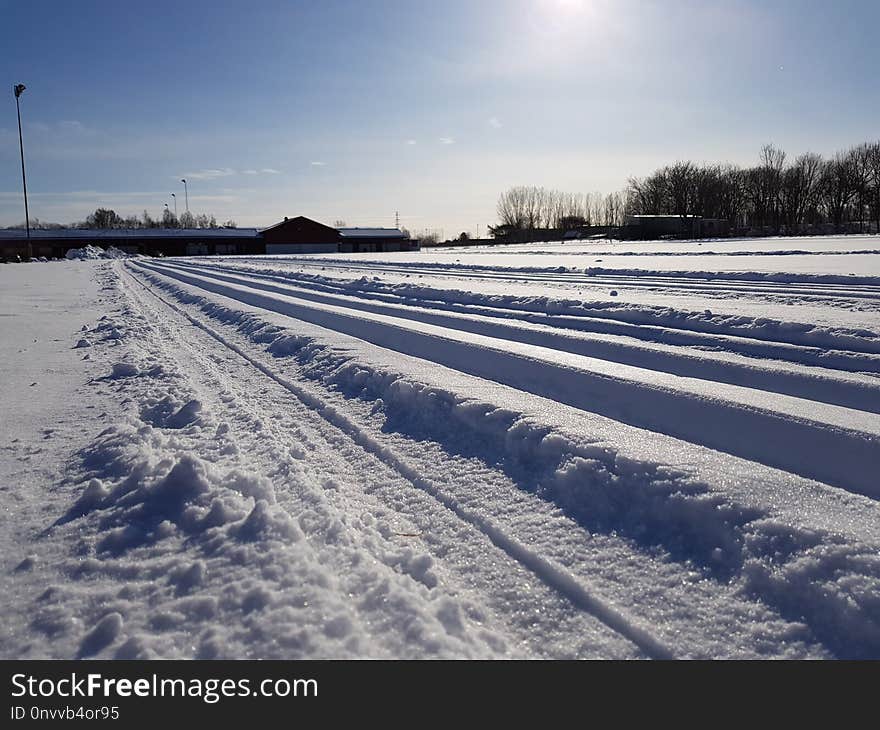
[(563, 16), (567, 8)]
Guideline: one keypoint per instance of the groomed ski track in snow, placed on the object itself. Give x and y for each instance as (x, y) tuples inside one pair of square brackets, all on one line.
[(771, 428), (693, 487), (407, 476)]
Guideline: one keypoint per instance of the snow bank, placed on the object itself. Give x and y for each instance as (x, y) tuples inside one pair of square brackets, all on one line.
[(90, 253)]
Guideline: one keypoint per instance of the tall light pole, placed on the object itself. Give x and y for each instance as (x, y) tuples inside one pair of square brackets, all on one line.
[(185, 193), (175, 204), (18, 89)]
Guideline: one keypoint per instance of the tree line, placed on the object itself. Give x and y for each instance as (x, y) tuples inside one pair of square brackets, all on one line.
[(528, 208), (779, 194), (108, 218)]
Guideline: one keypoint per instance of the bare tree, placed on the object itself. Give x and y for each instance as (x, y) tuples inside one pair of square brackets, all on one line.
[(874, 166), (650, 194), (169, 220), (859, 158), (799, 190), (104, 218), (837, 187), (511, 208), (770, 184), (680, 186)]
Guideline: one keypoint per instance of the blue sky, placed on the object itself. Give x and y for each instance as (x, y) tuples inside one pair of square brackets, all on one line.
[(353, 110)]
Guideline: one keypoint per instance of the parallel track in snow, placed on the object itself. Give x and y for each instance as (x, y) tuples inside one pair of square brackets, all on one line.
[(553, 575), (790, 433), (842, 350), (656, 541), (731, 359), (693, 282)]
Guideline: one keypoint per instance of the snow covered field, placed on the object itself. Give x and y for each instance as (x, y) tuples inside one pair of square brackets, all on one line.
[(579, 450)]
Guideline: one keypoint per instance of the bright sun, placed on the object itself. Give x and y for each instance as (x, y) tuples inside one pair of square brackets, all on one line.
[(567, 6), (567, 10), (566, 15)]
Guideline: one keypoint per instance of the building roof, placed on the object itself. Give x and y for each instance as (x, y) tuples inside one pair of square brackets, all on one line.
[(294, 222), (371, 233), (96, 234)]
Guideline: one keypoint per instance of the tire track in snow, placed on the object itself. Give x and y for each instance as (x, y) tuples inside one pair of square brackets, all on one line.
[(546, 570), (785, 434)]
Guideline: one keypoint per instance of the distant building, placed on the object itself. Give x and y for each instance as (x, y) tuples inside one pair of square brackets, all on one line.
[(359, 240), (303, 235), (512, 234), (299, 235), (647, 227), (290, 236)]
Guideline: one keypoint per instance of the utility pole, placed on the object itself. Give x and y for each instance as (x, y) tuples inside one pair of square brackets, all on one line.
[(397, 219), (18, 89)]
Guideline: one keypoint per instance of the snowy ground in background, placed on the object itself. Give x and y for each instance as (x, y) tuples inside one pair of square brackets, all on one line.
[(825, 285), (472, 453), (840, 256)]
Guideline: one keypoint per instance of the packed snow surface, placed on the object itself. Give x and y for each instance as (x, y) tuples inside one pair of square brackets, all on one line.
[(564, 450)]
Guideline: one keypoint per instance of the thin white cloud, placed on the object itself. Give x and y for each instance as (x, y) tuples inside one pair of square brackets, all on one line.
[(250, 172), (410, 141), (447, 140), (64, 128), (270, 171), (494, 122), (209, 174), (318, 163), (73, 126)]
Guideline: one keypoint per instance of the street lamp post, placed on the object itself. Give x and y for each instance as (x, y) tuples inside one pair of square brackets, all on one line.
[(186, 194), (18, 89), (175, 204)]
